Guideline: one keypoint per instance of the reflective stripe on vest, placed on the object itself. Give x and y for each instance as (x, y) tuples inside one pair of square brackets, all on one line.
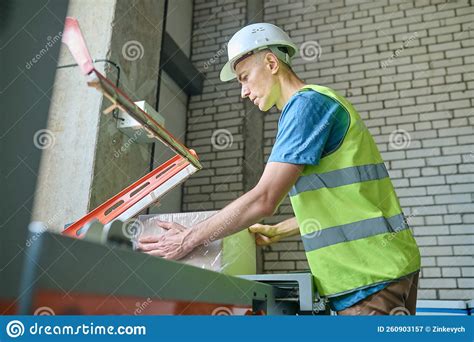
[(353, 231), (332, 179)]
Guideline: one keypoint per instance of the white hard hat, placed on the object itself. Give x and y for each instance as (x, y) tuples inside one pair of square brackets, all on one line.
[(257, 37)]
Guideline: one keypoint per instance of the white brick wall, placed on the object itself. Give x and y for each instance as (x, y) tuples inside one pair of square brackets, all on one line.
[(426, 89), (218, 108)]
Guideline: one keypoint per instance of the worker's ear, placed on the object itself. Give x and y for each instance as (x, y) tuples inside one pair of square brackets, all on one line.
[(271, 63)]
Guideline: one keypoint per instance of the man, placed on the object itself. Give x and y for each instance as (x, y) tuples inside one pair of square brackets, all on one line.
[(361, 252)]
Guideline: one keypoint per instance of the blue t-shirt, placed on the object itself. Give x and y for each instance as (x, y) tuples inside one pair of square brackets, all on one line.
[(311, 126)]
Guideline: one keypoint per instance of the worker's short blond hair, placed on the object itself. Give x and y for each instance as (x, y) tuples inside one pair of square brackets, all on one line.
[(282, 49)]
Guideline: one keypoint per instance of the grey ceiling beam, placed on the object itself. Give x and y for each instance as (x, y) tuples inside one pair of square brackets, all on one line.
[(179, 67)]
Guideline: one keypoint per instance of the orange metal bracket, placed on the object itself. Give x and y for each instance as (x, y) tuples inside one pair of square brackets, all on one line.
[(125, 199), (155, 184)]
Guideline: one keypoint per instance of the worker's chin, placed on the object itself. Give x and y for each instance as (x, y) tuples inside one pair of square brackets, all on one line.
[(264, 106)]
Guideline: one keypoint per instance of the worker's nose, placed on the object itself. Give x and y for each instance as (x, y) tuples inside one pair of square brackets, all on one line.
[(244, 92)]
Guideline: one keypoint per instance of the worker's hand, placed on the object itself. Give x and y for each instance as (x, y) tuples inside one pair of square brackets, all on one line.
[(265, 234), (173, 244)]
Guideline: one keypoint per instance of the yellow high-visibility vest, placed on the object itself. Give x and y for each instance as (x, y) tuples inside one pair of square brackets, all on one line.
[(352, 226)]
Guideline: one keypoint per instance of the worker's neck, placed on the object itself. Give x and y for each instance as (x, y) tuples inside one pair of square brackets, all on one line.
[(289, 85)]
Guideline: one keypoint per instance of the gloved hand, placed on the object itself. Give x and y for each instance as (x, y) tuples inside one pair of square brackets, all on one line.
[(267, 234)]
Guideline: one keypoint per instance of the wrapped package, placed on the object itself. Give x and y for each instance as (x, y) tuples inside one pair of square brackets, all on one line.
[(233, 255)]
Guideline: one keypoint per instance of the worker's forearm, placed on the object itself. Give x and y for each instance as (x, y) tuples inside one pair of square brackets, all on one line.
[(288, 227), (240, 214)]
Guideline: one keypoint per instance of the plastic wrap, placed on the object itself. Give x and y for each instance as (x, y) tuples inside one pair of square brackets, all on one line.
[(233, 255)]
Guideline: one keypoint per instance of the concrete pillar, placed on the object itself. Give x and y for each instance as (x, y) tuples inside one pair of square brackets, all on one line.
[(90, 160), (253, 165), (135, 43)]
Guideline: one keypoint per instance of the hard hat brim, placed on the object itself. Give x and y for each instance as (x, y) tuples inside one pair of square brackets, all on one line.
[(226, 73)]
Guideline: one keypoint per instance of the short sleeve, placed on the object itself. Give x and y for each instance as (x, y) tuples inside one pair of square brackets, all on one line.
[(304, 127)]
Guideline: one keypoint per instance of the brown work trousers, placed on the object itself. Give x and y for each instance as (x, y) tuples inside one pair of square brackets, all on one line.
[(398, 298)]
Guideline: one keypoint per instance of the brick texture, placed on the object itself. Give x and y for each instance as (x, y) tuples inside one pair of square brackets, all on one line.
[(407, 67)]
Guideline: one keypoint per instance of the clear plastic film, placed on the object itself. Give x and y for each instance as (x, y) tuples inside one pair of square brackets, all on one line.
[(233, 255)]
